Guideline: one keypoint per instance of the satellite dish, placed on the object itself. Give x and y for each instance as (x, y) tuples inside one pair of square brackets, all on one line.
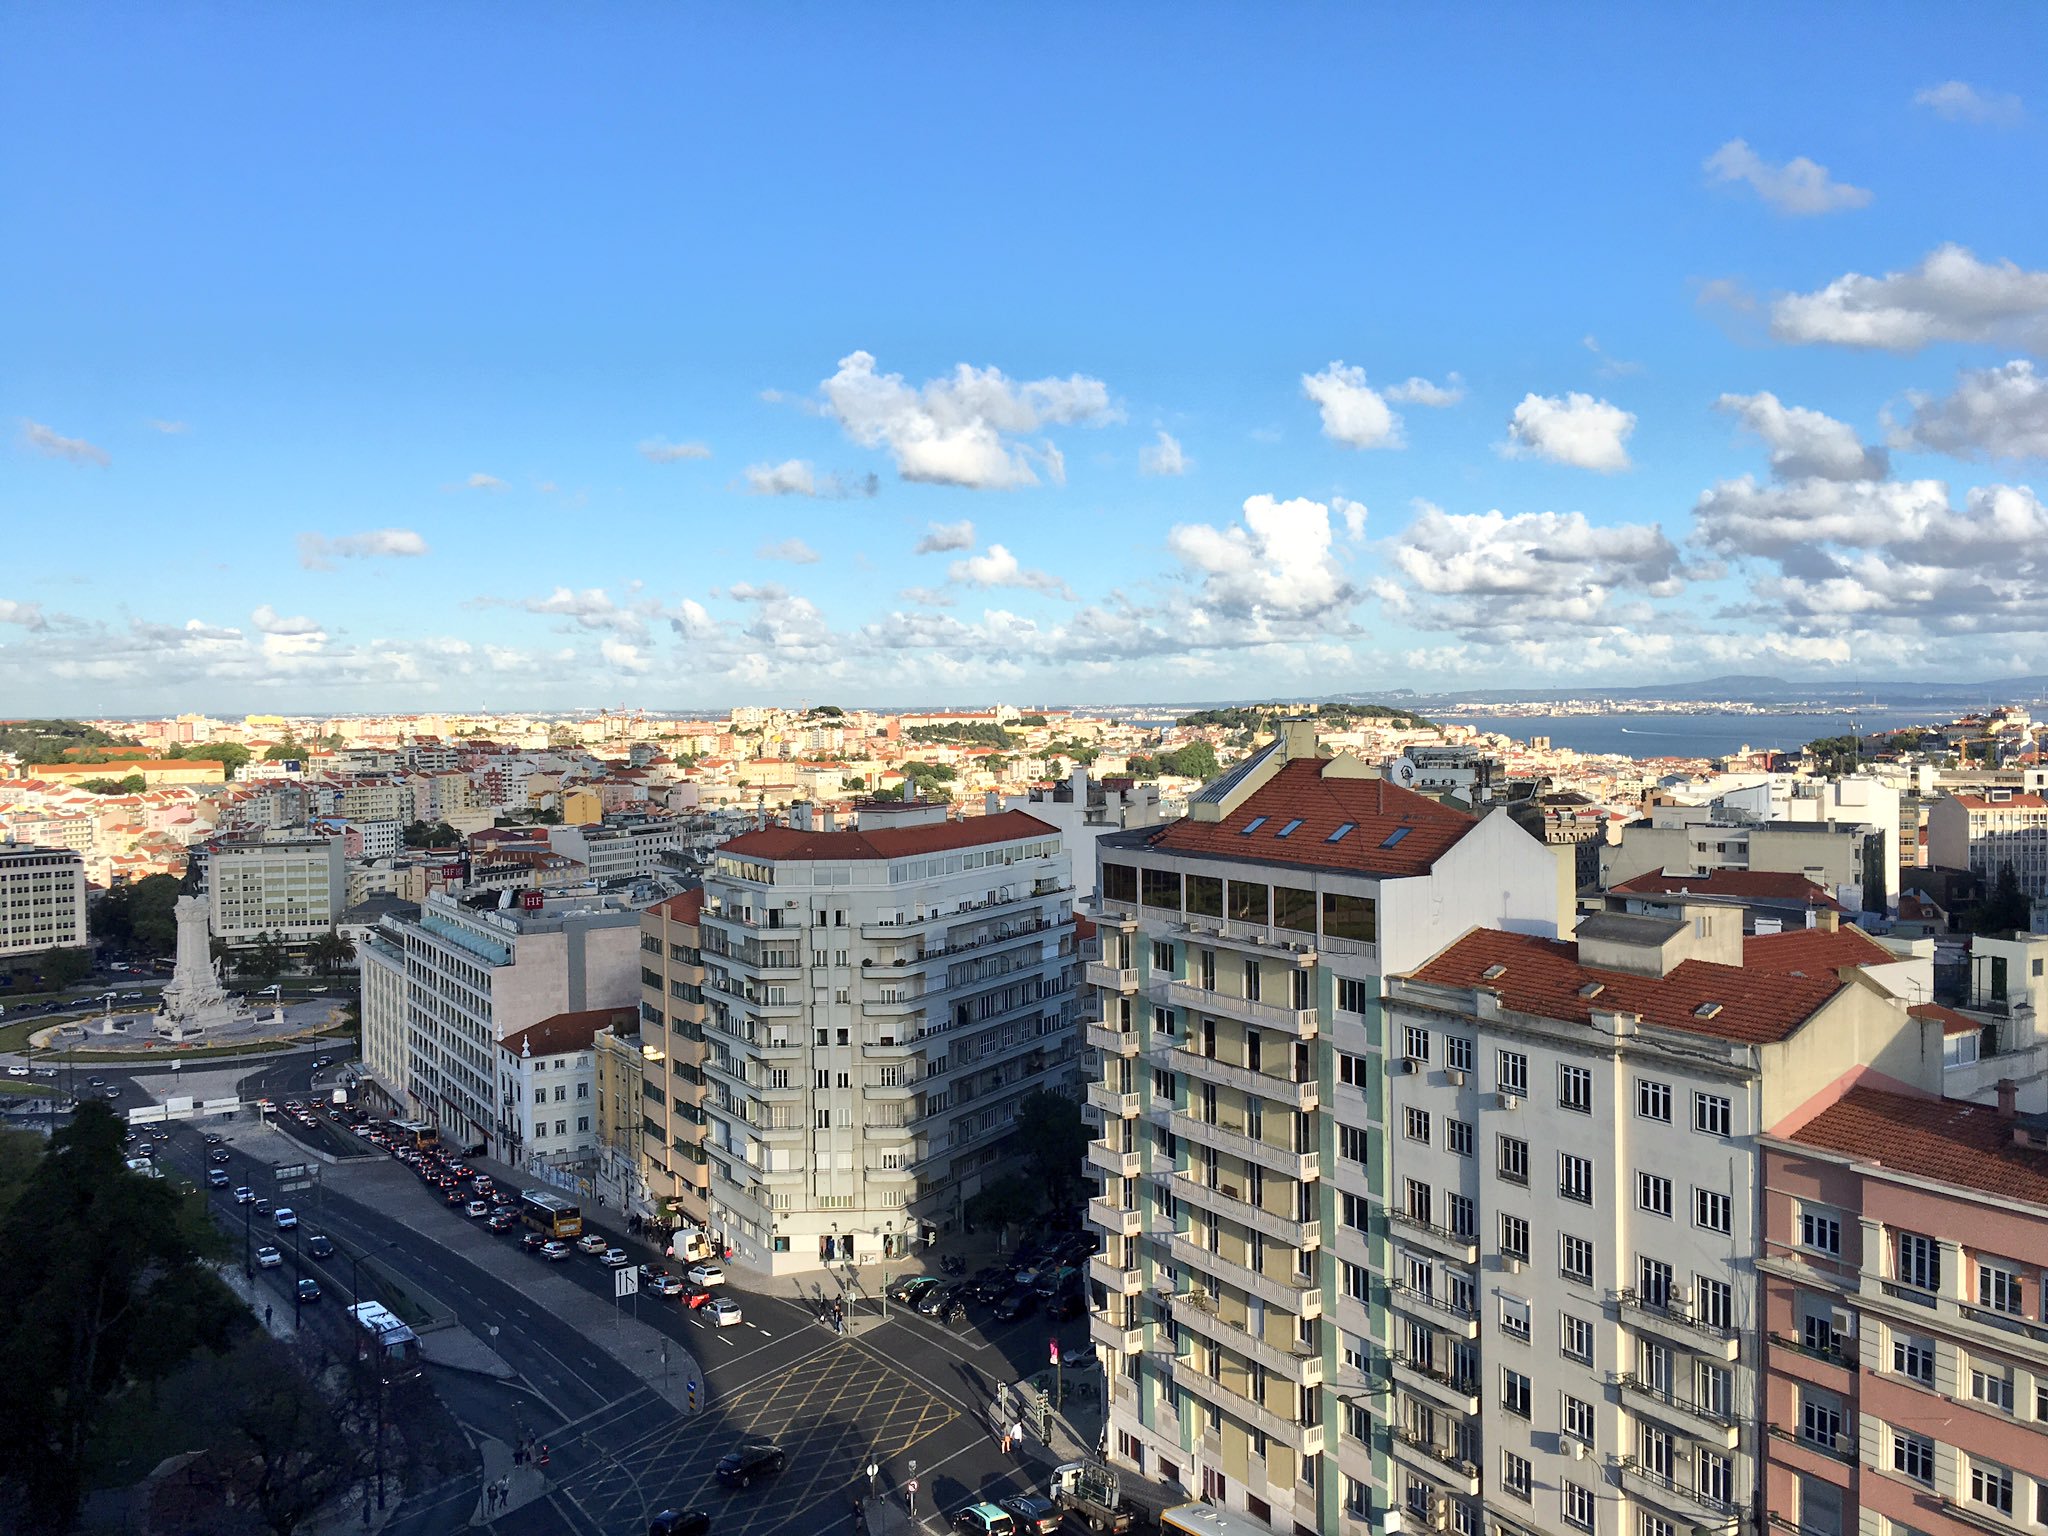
[(1404, 772)]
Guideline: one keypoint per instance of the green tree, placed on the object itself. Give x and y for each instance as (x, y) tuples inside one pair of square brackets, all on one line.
[(434, 834), (266, 958), (119, 1293), (330, 952), (64, 967), (1009, 1202), (132, 784), (287, 750), (287, 1451), (2006, 909), (229, 754), (1054, 1140)]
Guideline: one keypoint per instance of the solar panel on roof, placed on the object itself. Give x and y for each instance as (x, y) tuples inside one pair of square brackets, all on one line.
[(1393, 837), (1288, 830)]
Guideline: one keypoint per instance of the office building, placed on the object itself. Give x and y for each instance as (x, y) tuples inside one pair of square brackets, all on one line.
[(42, 899), (1988, 832), (290, 889)]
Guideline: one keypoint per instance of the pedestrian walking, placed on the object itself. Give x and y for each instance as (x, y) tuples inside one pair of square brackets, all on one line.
[(1016, 1438), (266, 1314), (873, 1473)]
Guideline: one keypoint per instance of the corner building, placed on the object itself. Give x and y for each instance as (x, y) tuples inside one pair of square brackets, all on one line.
[(878, 998), (1243, 1156)]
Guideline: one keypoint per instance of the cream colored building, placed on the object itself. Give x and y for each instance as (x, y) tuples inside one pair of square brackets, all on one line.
[(42, 899), (674, 1168)]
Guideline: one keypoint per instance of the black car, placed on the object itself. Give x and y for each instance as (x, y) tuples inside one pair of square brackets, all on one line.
[(1069, 1303), (309, 1290), (262, 1209), (755, 1459), (531, 1241), (1018, 1303), (320, 1247), (911, 1291), (688, 1522), (1034, 1516)]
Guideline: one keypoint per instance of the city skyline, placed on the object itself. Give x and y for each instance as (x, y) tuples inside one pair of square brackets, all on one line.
[(382, 366)]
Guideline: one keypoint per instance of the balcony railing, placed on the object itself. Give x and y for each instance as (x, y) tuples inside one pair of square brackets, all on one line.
[(1303, 1094), (1462, 1246), (1111, 1040), (1111, 978), (1233, 1137), (1833, 1354), (1663, 1488), (1300, 1022), (1466, 1317), (1837, 1447), (1721, 1419), (1664, 1312), (1466, 1472)]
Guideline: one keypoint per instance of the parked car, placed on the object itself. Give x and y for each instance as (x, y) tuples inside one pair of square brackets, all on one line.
[(1070, 1303), (723, 1312), (320, 1247), (590, 1242), (1034, 1516), (753, 1460), (706, 1274), (556, 1250), (309, 1289), (268, 1257)]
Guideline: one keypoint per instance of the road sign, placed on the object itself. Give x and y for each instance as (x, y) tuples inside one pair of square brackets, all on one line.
[(1055, 1346), (290, 1171), (912, 1485), (625, 1282)]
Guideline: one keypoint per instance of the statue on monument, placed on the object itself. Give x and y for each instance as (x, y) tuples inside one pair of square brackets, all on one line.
[(195, 999)]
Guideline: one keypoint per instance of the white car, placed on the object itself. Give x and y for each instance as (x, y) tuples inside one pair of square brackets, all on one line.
[(17, 1071), (286, 1218), (615, 1258), (556, 1251), (268, 1257), (590, 1242), (706, 1274), (723, 1312)]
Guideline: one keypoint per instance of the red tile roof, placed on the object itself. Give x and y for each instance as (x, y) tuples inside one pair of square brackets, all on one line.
[(1985, 803), (888, 842), (686, 908), (1813, 951), (1733, 884), (1952, 1022), (1375, 808), (1967, 1145), (564, 1033), (1543, 977)]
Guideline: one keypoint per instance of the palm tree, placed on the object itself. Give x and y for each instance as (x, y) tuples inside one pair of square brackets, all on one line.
[(330, 952)]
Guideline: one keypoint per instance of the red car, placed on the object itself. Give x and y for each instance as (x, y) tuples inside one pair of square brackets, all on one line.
[(695, 1295)]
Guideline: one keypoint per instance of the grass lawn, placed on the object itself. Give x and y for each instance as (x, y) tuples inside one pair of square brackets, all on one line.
[(26, 1090)]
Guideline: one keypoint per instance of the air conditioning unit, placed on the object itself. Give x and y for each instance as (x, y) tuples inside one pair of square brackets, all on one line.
[(1456, 1077), (1513, 1266), (1681, 1298), (1843, 1321), (1405, 1065), (1579, 1449), (1510, 1101)]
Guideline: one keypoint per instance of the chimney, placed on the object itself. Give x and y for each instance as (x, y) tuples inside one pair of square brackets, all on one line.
[(1297, 739), (2008, 1097), (827, 816), (1828, 921), (991, 803)]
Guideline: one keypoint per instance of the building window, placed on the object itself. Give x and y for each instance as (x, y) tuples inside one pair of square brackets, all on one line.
[(1653, 1100), (1512, 1163), (1577, 1418), (1711, 1112), (1356, 1210), (1417, 1043), (1349, 917), (1457, 1053), (1575, 1258), (1653, 1193), (1991, 1386), (1464, 1215), (1575, 1338), (1514, 1238), (1351, 1143), (1514, 1318), (1998, 1288), (1714, 1302), (1991, 1485), (1820, 1421), (1917, 1261), (1352, 996), (1458, 1137), (1514, 1475), (1514, 1393), (1710, 1210), (1578, 1506), (1511, 1073), (1575, 1177), (583, 1122), (1820, 1232), (1575, 1089), (1415, 1122), (1913, 1357), (1162, 957), (1913, 1456)]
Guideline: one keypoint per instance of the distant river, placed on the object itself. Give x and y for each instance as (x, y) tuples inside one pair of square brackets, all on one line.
[(1689, 735)]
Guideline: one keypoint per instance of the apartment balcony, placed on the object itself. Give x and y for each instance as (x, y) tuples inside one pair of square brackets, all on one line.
[(1668, 1321), (1110, 1040), (889, 1050), (1122, 1336), (1110, 978), (1295, 1365), (1460, 1247), (1230, 1136), (1841, 1449), (1118, 1165), (1259, 939), (1113, 1277), (1664, 1490), (907, 927), (1120, 1106), (1303, 1439), (892, 1007), (1231, 1200), (1713, 1426), (1304, 1095), (1442, 1314), (1297, 1296), (1440, 1463), (1298, 1022), (1435, 1383), (1115, 1220), (891, 1177), (686, 1052)]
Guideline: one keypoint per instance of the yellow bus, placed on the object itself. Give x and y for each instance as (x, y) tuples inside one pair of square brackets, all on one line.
[(1209, 1520), (549, 1214)]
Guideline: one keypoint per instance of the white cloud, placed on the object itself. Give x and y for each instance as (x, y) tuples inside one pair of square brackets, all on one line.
[(961, 430), (1422, 392), (1961, 102), (794, 551), (483, 482), (1611, 367), (1279, 562), (1799, 186), (927, 597), (591, 609), (1740, 516), (1354, 413), (1353, 513), (799, 477), (27, 615), (624, 655), (1950, 296), (317, 552), (1994, 413), (168, 428), (1575, 429), (1163, 456), (997, 567), (268, 620), (656, 451), (54, 445), (941, 538), (1805, 442)]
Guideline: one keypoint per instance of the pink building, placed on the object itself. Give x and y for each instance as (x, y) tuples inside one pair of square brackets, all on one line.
[(1906, 1379)]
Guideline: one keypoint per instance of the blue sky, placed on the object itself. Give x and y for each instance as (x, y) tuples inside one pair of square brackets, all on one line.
[(517, 356)]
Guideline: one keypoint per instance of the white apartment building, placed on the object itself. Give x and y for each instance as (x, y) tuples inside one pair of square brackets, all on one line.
[(1084, 809), (674, 1167), (547, 1089), (1241, 1289), (879, 1000), (1573, 1214), (443, 988), (42, 899), (622, 848), (293, 889), (1986, 832)]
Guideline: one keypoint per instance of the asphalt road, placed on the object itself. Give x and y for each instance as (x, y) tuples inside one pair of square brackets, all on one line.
[(907, 1389)]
